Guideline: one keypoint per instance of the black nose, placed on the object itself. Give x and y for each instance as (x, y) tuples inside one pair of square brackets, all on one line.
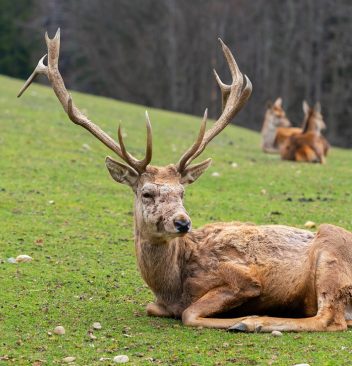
[(182, 226)]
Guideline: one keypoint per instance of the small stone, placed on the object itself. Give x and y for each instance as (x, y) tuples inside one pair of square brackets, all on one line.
[(11, 260), (276, 333), (51, 202), (234, 165), (97, 326), (23, 258), (225, 345), (86, 147), (37, 363), (310, 224), (91, 336), (215, 174), (263, 192), (68, 359), (121, 359), (104, 359), (60, 330)]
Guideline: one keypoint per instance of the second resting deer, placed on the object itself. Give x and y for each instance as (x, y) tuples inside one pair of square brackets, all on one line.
[(307, 145), (302, 280), (274, 119)]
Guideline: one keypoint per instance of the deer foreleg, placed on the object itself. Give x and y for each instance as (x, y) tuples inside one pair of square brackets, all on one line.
[(216, 301), (155, 309), (325, 321), (239, 287)]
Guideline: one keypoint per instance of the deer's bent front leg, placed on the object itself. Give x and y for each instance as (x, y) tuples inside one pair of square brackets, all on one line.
[(239, 287), (155, 309)]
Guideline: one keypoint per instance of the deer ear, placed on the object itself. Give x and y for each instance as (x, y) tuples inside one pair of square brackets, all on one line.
[(193, 172), (278, 102), (306, 107), (317, 107), (121, 172)]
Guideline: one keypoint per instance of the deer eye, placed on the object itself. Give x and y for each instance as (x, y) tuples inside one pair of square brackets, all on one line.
[(147, 195)]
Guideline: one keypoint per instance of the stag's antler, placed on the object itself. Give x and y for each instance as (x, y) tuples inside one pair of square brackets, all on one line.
[(234, 97), (75, 115)]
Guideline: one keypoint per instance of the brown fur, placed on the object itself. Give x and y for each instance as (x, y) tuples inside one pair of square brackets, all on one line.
[(308, 145), (284, 133), (242, 269), (274, 118), (235, 268)]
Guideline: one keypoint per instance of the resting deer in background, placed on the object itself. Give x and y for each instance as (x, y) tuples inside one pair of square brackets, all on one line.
[(274, 118), (309, 145), (234, 268), (284, 133)]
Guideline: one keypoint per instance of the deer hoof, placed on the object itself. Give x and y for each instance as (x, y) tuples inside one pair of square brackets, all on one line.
[(239, 327)]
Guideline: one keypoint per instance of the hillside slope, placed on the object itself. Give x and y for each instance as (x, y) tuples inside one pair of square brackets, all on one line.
[(59, 205)]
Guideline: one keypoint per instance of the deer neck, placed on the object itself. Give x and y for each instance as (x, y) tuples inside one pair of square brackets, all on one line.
[(160, 263), (312, 124)]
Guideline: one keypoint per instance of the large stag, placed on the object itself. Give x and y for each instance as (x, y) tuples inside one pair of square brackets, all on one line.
[(233, 268)]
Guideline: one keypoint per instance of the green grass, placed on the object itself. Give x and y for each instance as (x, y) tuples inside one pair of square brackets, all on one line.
[(84, 268)]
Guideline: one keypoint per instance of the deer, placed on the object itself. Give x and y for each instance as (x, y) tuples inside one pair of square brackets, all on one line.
[(274, 118), (235, 276), (284, 133), (308, 145)]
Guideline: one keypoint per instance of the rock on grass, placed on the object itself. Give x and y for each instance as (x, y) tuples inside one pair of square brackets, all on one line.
[(97, 326), (121, 359), (310, 224), (60, 330), (276, 333), (68, 359), (23, 258)]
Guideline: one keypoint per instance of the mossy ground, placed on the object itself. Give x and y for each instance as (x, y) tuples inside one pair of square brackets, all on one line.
[(59, 205)]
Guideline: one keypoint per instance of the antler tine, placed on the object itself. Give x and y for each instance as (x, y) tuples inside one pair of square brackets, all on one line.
[(40, 69), (182, 163), (149, 147), (76, 116), (138, 165), (234, 97), (225, 89), (234, 69)]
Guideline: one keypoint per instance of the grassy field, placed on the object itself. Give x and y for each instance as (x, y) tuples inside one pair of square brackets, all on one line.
[(59, 205)]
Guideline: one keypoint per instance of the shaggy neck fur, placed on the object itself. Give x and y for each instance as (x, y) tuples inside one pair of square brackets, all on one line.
[(160, 262)]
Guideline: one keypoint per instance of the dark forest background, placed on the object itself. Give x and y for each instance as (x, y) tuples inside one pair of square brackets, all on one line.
[(161, 52)]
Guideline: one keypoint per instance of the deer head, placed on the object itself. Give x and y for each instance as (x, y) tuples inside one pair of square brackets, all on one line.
[(277, 115), (159, 210), (313, 119)]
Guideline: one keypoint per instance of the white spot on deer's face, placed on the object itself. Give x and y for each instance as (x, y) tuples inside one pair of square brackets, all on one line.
[(159, 206)]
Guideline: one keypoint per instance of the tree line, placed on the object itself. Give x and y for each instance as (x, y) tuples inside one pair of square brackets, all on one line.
[(161, 52)]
